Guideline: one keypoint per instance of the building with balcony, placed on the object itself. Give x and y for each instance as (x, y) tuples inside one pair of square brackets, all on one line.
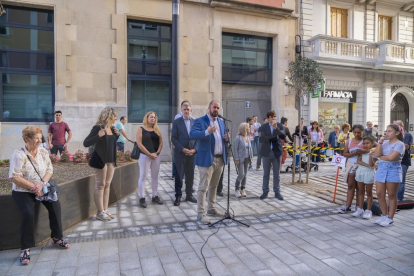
[(79, 56), (366, 48)]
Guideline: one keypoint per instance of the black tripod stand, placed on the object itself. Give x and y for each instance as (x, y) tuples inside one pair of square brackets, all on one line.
[(227, 214)]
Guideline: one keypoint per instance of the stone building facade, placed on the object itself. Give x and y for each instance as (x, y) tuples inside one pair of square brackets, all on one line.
[(365, 48), (79, 56)]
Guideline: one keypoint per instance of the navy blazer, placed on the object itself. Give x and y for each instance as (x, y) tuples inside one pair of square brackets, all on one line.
[(205, 144), (267, 138), (331, 139), (180, 137)]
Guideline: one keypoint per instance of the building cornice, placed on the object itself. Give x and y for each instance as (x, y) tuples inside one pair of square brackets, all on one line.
[(252, 9)]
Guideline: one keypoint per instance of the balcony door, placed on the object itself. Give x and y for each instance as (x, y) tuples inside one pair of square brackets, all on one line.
[(339, 22)]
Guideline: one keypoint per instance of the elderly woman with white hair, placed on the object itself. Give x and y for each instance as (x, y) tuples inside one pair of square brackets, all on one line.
[(243, 156)]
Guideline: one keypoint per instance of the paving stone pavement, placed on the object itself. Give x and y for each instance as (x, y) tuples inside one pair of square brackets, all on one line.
[(297, 236)]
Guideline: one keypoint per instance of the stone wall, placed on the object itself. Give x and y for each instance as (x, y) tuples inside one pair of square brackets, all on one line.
[(91, 57)]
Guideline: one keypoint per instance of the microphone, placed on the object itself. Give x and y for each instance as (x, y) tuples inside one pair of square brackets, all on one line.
[(221, 117)]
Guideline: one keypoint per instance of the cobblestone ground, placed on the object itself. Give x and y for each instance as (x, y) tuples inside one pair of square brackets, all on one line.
[(298, 236)]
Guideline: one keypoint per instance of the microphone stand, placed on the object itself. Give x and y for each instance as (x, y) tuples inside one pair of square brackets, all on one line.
[(227, 213)]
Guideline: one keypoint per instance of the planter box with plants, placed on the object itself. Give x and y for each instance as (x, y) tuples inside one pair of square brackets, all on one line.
[(76, 190)]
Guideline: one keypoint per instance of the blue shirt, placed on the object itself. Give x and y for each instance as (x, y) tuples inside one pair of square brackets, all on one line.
[(271, 131), (120, 126), (187, 124)]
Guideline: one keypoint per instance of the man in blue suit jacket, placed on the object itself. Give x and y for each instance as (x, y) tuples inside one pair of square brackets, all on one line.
[(209, 131), (184, 154)]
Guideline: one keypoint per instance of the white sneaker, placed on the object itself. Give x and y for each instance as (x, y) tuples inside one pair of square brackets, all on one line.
[(243, 193), (102, 216), (358, 213), (378, 221), (343, 210), (387, 222), (237, 194), (367, 214)]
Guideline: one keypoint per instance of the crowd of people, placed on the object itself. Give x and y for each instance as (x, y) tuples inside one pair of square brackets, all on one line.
[(203, 142)]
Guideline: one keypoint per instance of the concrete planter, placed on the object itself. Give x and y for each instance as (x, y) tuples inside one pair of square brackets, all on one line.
[(76, 199)]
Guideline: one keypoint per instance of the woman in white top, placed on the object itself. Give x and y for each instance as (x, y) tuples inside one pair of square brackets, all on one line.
[(243, 156), (390, 151), (316, 137), (27, 185)]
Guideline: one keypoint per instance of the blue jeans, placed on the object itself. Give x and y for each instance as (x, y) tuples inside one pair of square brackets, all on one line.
[(120, 146), (401, 188), (256, 144)]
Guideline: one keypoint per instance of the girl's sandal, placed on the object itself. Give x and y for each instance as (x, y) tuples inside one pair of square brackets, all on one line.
[(25, 258), (61, 243)]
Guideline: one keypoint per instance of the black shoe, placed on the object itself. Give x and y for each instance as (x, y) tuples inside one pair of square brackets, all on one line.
[(157, 200), (142, 203), (220, 194), (191, 198), (177, 201), (263, 196), (279, 196)]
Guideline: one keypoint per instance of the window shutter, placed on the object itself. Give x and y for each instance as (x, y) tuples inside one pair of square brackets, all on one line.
[(344, 23), (339, 22), (333, 22), (384, 28)]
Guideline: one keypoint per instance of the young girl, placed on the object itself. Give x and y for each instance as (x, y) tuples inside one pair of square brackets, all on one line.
[(390, 151), (365, 179), (353, 147)]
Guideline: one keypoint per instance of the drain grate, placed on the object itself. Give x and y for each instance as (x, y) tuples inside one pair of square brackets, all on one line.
[(177, 227)]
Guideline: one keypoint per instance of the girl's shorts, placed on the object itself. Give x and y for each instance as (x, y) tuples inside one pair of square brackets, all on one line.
[(389, 172), (364, 176)]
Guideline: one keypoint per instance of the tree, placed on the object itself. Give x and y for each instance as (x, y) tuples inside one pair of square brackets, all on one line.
[(304, 77)]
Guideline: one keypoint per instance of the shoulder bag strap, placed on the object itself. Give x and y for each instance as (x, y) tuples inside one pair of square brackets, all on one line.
[(41, 179)]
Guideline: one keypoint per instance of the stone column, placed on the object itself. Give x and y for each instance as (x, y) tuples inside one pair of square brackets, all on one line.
[(368, 102), (386, 105)]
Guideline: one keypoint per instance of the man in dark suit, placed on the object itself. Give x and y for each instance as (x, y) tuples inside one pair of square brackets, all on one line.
[(271, 137), (211, 137), (184, 154)]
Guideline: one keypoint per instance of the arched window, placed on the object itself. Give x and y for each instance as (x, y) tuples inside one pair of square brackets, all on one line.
[(400, 109)]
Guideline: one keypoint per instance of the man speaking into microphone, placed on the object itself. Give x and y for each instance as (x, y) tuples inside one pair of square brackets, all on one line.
[(271, 152), (209, 130)]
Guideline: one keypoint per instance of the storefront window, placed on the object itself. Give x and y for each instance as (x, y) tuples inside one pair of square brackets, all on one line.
[(149, 70), (331, 114), (246, 59), (26, 65)]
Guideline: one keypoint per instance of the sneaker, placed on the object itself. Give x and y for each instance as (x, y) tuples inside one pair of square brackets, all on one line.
[(214, 213), (142, 203), (109, 214), (243, 193), (358, 213), (257, 169), (343, 210), (102, 216), (387, 222), (250, 168), (203, 219), (157, 200), (367, 214), (237, 194), (378, 221)]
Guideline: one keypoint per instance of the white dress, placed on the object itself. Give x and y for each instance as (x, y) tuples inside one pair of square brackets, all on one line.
[(365, 174)]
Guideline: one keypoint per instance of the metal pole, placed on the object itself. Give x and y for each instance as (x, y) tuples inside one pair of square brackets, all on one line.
[(175, 57), (300, 140), (294, 158), (309, 158)]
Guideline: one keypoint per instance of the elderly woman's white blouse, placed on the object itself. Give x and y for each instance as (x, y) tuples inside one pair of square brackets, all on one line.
[(21, 166)]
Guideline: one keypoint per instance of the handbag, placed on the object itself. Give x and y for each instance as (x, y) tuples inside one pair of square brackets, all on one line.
[(135, 152), (53, 185)]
